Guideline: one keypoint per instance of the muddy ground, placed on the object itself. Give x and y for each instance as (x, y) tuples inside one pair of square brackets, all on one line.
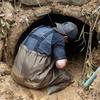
[(9, 90)]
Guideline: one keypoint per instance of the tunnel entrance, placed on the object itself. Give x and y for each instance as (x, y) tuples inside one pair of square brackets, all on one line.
[(73, 47)]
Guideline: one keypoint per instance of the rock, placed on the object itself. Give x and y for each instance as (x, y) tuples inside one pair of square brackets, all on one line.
[(33, 2), (78, 2), (74, 2)]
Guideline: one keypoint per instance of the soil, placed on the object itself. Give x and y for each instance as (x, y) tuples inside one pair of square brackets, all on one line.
[(10, 90)]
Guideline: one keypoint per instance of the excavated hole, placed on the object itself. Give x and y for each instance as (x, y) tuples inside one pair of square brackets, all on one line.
[(72, 48)]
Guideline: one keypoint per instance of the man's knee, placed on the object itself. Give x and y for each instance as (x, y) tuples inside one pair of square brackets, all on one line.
[(61, 63)]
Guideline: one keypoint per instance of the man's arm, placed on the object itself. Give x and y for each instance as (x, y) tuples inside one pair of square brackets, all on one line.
[(59, 51), (60, 56)]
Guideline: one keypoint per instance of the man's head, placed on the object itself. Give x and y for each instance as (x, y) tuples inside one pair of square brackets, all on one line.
[(68, 29)]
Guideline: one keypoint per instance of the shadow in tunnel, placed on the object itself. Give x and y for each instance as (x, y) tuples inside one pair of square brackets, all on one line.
[(72, 48)]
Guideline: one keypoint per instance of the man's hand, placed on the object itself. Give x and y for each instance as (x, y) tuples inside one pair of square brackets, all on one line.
[(61, 63)]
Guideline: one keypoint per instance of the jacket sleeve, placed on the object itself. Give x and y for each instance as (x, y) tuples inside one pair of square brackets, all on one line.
[(58, 49)]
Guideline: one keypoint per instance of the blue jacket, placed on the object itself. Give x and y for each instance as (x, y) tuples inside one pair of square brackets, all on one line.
[(46, 40)]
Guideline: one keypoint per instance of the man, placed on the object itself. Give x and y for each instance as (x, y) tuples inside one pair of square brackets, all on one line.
[(41, 58)]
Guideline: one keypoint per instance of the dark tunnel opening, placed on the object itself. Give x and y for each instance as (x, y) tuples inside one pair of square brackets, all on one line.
[(73, 47)]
